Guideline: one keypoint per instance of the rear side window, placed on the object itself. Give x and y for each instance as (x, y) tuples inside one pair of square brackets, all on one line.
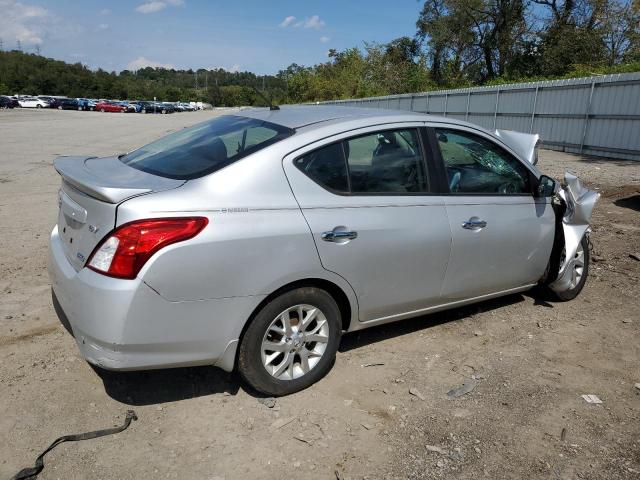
[(385, 162), (206, 147)]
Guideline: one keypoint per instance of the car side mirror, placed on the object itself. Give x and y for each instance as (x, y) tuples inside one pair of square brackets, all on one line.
[(546, 186)]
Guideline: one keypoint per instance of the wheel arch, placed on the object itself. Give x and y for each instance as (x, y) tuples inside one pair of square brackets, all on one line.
[(348, 306)]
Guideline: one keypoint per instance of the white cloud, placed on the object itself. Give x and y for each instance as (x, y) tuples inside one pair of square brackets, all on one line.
[(142, 62), (151, 7), (314, 22), (24, 23), (103, 26), (105, 11), (154, 6), (325, 39), (287, 21)]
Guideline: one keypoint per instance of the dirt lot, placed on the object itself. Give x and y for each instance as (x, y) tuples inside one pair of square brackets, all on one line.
[(532, 359)]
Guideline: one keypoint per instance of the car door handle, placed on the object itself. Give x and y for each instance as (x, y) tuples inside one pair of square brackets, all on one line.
[(338, 236), (474, 223)]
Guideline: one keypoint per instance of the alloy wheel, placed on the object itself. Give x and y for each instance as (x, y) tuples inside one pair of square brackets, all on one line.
[(294, 342)]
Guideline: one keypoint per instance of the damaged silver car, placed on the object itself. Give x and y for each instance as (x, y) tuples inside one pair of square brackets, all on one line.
[(253, 241)]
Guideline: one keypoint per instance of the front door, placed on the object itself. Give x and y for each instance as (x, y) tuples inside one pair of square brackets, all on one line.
[(366, 197), (502, 234)]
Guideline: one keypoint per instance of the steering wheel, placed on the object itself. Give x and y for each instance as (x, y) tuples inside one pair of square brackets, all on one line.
[(507, 188), (454, 182)]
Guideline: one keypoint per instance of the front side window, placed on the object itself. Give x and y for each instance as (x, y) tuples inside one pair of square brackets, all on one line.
[(386, 162), (477, 165), (206, 147)]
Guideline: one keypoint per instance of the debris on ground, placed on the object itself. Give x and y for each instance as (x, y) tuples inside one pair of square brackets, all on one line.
[(416, 393), (433, 448), (563, 434), (590, 398), (32, 472), (463, 389), (281, 422), (268, 402), (637, 386), (635, 256), (372, 365)]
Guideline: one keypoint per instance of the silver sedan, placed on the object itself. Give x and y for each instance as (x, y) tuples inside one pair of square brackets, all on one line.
[(253, 241)]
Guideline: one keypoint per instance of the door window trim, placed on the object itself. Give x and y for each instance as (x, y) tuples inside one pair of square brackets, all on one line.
[(433, 178), (533, 178)]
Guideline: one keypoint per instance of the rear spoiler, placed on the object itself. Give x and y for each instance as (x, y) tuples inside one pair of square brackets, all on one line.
[(73, 170), (524, 144)]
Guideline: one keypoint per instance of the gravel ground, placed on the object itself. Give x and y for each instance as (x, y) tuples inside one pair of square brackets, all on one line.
[(529, 361)]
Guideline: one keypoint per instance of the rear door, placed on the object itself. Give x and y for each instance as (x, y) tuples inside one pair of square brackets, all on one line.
[(502, 234), (368, 197)]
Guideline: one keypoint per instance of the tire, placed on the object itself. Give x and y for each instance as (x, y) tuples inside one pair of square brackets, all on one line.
[(267, 326), (38, 106), (102, 110), (80, 109), (144, 110), (163, 111), (575, 290), (60, 107)]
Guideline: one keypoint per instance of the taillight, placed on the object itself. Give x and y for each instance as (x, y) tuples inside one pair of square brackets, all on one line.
[(124, 251)]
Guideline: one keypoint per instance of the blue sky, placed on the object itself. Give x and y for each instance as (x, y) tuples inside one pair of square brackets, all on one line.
[(258, 36)]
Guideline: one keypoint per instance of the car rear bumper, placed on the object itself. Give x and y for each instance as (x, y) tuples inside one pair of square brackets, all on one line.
[(126, 325)]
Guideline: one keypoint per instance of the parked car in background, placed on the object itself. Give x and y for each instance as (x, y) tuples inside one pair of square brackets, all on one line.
[(188, 107), (86, 103), (155, 107), (253, 241), (32, 102), (110, 107), (69, 104), (8, 102)]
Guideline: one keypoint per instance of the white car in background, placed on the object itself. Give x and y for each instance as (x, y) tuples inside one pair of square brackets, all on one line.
[(32, 102)]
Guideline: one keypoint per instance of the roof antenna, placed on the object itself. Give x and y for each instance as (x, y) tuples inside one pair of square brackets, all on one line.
[(266, 100)]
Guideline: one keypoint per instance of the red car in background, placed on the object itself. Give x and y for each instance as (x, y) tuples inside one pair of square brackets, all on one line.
[(109, 107)]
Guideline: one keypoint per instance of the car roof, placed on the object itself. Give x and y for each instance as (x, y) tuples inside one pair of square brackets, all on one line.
[(300, 116)]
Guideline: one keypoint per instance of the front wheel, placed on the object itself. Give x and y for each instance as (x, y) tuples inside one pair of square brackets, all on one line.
[(291, 343), (579, 271)]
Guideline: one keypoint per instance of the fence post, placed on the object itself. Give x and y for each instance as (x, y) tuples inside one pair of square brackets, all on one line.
[(466, 115), (428, 96), (533, 112), (446, 99), (586, 116), (411, 103), (495, 112)]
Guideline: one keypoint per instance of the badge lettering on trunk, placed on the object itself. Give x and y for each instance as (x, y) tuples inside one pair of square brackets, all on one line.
[(93, 229), (80, 256)]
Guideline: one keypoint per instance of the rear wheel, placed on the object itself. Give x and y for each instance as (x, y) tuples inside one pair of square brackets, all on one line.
[(38, 106), (102, 110), (291, 343)]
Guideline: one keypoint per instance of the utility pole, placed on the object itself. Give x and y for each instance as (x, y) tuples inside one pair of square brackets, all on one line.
[(19, 43), (38, 50)]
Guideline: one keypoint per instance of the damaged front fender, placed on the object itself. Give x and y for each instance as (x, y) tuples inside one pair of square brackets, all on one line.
[(579, 203)]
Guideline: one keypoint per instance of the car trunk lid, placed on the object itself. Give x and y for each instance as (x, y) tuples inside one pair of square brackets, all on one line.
[(92, 188)]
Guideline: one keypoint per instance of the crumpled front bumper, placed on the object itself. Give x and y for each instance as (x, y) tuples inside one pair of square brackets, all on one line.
[(580, 202), (126, 325)]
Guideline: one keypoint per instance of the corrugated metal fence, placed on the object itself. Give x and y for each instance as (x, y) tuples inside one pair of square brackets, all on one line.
[(593, 116)]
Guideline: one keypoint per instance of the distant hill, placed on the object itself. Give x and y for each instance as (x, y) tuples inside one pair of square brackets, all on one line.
[(27, 73)]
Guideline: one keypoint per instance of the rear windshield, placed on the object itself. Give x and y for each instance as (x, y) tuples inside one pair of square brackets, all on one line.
[(206, 147)]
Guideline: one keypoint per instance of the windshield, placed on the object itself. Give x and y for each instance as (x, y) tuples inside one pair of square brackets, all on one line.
[(206, 147)]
